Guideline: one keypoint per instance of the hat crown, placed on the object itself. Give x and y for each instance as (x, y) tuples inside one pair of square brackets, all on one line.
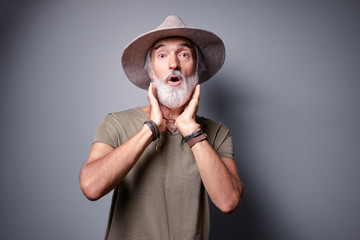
[(172, 21)]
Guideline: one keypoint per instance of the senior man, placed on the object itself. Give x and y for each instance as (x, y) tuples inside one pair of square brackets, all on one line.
[(162, 160)]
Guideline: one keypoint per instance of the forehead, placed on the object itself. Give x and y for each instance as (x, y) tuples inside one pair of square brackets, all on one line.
[(173, 41)]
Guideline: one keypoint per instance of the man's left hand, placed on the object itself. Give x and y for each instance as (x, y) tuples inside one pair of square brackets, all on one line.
[(186, 122)]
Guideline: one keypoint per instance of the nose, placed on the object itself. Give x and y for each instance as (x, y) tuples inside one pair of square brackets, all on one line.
[(174, 62)]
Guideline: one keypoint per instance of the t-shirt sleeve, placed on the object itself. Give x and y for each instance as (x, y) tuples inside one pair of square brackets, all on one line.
[(106, 133), (219, 137), (223, 143)]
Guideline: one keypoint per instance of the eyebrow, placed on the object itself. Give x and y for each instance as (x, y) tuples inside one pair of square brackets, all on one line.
[(158, 46), (184, 44)]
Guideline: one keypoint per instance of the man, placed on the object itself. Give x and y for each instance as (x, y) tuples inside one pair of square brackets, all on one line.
[(162, 160)]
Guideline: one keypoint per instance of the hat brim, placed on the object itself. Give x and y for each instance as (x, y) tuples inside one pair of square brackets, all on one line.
[(211, 47)]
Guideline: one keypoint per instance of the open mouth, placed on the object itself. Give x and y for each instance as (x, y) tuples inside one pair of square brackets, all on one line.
[(174, 80)]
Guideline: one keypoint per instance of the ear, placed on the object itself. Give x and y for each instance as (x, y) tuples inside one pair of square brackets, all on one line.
[(150, 75)]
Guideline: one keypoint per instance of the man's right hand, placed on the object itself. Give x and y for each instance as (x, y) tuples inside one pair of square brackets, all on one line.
[(155, 112)]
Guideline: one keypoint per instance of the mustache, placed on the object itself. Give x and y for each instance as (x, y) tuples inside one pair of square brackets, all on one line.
[(174, 73)]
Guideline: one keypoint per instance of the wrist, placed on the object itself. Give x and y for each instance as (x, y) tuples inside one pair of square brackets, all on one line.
[(189, 129), (197, 136), (159, 123), (155, 133), (154, 129)]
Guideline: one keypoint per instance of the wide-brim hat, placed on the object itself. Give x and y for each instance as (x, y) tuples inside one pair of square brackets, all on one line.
[(212, 50)]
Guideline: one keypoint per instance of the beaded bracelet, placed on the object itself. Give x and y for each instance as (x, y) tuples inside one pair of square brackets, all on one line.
[(155, 133)]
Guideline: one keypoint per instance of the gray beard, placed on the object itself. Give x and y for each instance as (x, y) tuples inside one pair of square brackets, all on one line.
[(175, 96)]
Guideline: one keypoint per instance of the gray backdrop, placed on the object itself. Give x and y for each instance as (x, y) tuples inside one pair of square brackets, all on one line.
[(288, 91)]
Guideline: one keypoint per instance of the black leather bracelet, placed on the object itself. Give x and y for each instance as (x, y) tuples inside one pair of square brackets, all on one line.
[(155, 133), (154, 129), (195, 134)]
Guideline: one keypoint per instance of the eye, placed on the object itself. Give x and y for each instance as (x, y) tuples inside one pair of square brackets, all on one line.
[(161, 55), (184, 54)]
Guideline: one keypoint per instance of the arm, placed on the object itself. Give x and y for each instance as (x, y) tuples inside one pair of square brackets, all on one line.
[(219, 175), (106, 167)]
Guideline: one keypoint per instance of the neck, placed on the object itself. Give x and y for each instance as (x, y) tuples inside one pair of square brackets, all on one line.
[(171, 113)]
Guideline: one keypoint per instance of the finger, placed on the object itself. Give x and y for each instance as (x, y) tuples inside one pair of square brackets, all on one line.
[(152, 94), (194, 102), (154, 103), (196, 94), (151, 90), (155, 111)]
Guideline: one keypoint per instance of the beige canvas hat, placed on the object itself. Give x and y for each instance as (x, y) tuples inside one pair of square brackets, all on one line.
[(211, 48)]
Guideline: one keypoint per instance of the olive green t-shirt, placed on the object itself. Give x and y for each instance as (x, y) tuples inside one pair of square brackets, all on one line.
[(162, 197)]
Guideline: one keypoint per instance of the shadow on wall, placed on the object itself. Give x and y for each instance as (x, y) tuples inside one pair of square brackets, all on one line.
[(228, 103)]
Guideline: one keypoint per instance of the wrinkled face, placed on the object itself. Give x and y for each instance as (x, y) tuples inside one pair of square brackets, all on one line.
[(173, 54), (173, 62)]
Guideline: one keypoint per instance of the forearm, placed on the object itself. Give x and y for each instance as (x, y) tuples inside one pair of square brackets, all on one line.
[(219, 178), (100, 175)]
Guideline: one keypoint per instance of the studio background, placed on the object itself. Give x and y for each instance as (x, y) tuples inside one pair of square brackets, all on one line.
[(288, 91)]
